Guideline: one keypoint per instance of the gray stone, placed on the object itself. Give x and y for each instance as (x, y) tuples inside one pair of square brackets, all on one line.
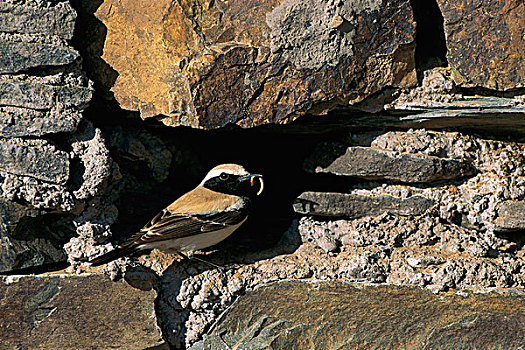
[(19, 122), (42, 96), (37, 159), (377, 164), (356, 206), (35, 17), (334, 315), (511, 216), (76, 312), (20, 56)]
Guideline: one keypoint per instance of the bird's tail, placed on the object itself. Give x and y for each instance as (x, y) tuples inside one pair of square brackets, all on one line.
[(113, 255)]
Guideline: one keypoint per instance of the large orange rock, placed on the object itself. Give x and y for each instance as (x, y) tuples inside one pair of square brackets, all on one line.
[(209, 63)]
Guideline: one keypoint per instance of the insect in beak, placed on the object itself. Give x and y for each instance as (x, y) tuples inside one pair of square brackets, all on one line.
[(252, 181)]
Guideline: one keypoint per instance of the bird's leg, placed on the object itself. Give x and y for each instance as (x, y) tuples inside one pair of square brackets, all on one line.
[(190, 256)]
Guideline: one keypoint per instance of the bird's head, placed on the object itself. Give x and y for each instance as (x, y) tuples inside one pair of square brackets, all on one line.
[(233, 179)]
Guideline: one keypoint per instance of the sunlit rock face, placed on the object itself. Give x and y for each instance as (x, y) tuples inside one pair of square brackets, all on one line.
[(210, 63)]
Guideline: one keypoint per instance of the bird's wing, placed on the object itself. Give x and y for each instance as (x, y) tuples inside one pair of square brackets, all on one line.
[(167, 225)]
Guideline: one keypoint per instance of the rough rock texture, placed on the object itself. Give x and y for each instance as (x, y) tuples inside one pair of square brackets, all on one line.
[(439, 211), (441, 102), (76, 312), (510, 216), (355, 206), (208, 64), (485, 42), (52, 164), (454, 244), (337, 315), (377, 164)]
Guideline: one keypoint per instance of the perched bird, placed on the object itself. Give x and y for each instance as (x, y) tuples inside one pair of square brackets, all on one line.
[(200, 218)]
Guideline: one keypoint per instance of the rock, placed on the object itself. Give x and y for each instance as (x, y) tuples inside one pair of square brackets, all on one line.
[(18, 122), (494, 60), (373, 164), (511, 216), (36, 17), (36, 95), (298, 314), (439, 101), (37, 159), (47, 183), (77, 312), (284, 58), (19, 56), (356, 206)]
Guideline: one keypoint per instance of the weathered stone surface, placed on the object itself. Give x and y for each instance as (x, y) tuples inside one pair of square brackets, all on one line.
[(205, 65), (46, 180), (356, 206), (486, 42), (511, 216), (19, 56), (35, 17), (35, 159), (374, 164), (439, 98), (75, 312), (18, 122), (39, 96), (291, 315)]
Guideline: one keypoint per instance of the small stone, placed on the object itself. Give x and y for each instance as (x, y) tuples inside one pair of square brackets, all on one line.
[(337, 21)]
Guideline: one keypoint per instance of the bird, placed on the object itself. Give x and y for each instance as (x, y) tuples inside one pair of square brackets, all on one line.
[(199, 219)]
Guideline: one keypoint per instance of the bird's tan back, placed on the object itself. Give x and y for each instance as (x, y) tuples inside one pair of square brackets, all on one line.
[(202, 199)]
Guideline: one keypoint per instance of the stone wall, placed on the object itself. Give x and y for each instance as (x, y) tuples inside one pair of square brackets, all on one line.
[(394, 171)]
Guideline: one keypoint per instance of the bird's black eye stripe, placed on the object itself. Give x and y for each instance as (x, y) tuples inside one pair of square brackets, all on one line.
[(224, 176)]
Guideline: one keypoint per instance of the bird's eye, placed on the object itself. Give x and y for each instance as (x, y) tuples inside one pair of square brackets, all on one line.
[(224, 176)]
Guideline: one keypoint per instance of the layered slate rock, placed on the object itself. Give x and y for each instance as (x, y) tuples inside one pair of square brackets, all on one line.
[(51, 162), (355, 206), (441, 102), (36, 159), (42, 90), (338, 315), (374, 164), (77, 312), (486, 42), (37, 17), (208, 64)]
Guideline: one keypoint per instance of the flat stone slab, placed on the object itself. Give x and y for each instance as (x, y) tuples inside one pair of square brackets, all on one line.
[(34, 159), (356, 206), (35, 17), (332, 315), (19, 56), (17, 121), (511, 216), (42, 96), (377, 164), (75, 312)]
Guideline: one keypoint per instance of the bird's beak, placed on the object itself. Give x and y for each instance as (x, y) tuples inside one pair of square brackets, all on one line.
[(252, 178)]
